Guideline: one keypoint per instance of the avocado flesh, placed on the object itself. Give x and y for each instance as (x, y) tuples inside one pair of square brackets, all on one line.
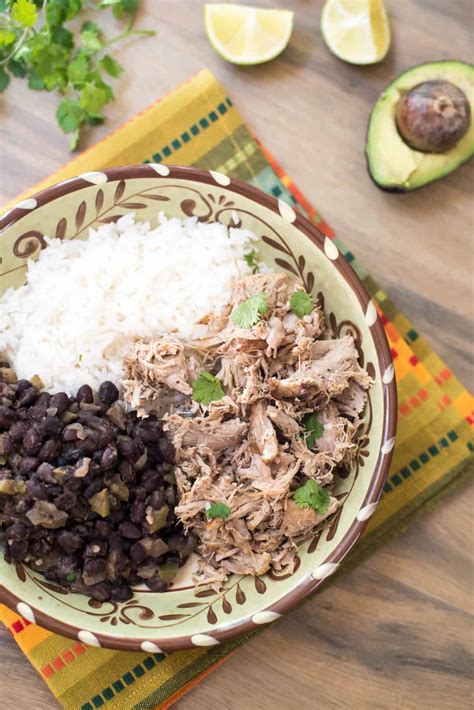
[(392, 164)]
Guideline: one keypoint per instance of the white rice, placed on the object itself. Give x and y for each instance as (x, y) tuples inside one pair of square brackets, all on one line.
[(85, 300)]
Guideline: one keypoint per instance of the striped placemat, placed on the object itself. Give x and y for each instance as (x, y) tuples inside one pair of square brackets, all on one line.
[(198, 125)]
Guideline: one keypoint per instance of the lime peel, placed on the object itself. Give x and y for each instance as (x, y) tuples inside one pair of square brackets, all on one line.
[(247, 35)]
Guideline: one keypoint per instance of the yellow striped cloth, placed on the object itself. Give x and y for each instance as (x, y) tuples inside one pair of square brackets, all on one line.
[(198, 125)]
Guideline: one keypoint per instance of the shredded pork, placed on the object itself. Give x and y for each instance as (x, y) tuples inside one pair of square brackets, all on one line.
[(250, 449)]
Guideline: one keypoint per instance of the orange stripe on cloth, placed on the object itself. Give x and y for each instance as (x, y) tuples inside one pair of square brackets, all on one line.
[(189, 686), (29, 636), (58, 663)]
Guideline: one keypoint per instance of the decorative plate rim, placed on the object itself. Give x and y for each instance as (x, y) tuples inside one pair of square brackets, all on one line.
[(330, 564)]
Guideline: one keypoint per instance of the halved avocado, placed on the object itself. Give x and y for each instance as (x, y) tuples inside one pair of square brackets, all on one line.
[(396, 166)]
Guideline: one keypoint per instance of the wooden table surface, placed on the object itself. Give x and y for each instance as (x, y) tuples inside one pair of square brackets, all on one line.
[(397, 631)]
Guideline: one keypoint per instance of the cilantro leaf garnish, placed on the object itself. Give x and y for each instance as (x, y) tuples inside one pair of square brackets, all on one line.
[(247, 313), (71, 576), (251, 260), (314, 428), (312, 495), (218, 510), (300, 303), (207, 388)]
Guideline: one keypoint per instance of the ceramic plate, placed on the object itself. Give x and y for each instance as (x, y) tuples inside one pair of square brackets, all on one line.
[(185, 617)]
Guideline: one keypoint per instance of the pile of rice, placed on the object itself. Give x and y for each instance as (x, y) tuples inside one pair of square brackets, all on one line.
[(85, 300)]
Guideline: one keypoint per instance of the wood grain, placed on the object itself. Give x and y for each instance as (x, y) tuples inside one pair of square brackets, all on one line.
[(397, 631)]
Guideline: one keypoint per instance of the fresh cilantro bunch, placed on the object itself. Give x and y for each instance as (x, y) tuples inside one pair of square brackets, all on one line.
[(35, 44)]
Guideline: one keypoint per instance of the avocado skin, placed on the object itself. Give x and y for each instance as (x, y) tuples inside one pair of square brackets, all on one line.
[(399, 189)]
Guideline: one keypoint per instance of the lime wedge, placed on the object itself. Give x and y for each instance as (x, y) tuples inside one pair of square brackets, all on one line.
[(247, 35), (356, 31)]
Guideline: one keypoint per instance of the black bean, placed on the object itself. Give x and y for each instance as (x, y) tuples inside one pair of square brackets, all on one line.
[(69, 433), (137, 511), (101, 591), (105, 435), (170, 496), (156, 499), (32, 441), (137, 553), (6, 446), (109, 457), (28, 464), (50, 426), (28, 397), (50, 450), (37, 412), (18, 431), (152, 483), (60, 401), (17, 531), (69, 540), (128, 449), (93, 571), (166, 449), (149, 435), (7, 417), (51, 575), (40, 549), (23, 414), (84, 394), (71, 456), (129, 530), (127, 472), (182, 544), (156, 584), (36, 489), (102, 528), (93, 488), (88, 446), (120, 593), (94, 565), (21, 386), (45, 472), (44, 399), (66, 500), (18, 549), (108, 392)]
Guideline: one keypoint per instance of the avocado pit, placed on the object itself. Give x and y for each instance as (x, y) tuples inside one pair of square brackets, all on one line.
[(433, 116)]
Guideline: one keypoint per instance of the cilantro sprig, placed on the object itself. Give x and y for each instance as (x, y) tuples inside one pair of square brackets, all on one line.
[(312, 495), (207, 388), (247, 313), (314, 429), (251, 260), (36, 44), (300, 303), (218, 510)]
